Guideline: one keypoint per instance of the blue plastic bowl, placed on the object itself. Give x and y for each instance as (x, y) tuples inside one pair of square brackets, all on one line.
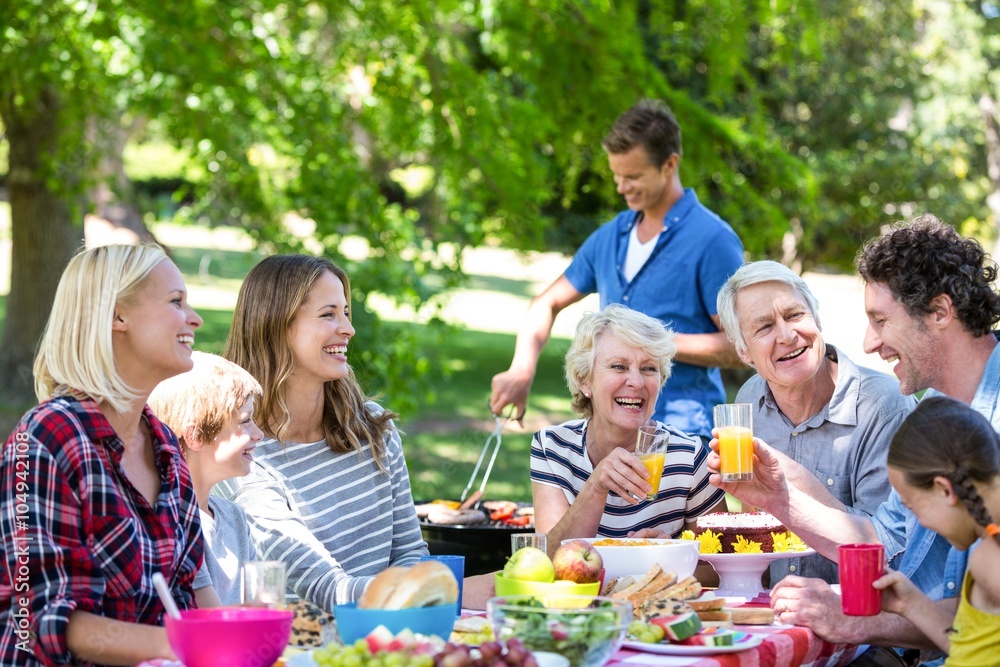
[(354, 624)]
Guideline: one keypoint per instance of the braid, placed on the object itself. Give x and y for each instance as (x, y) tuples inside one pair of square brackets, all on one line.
[(966, 491)]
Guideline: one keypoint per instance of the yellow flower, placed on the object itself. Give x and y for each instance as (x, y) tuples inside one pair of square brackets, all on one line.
[(687, 535), (709, 542), (784, 542), (745, 546)]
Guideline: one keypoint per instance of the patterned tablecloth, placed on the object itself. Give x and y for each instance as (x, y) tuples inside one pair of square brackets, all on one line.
[(782, 646)]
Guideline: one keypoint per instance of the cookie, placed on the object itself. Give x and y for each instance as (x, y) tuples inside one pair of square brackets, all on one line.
[(308, 624)]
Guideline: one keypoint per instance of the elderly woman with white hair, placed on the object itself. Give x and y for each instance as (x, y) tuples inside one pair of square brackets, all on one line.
[(810, 402), (586, 480)]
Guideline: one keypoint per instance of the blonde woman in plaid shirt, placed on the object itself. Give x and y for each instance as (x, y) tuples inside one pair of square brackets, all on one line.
[(94, 494)]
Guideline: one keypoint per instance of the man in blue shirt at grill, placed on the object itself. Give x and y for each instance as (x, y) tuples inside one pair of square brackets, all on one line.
[(666, 256)]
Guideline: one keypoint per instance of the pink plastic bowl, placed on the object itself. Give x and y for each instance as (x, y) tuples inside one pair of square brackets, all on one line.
[(231, 636)]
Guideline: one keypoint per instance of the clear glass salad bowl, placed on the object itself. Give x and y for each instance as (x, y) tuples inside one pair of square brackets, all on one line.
[(584, 629)]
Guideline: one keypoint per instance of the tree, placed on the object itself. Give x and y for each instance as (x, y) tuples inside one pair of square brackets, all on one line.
[(413, 124)]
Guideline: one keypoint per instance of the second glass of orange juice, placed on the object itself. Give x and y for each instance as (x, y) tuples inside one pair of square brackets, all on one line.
[(734, 424), (651, 448)]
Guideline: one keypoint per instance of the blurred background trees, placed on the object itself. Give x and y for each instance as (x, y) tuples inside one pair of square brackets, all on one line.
[(807, 124)]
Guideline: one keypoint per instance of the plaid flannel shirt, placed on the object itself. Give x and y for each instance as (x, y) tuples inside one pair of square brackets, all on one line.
[(76, 535)]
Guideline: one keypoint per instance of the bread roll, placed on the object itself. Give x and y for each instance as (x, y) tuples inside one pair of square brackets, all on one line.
[(380, 588), (426, 584)]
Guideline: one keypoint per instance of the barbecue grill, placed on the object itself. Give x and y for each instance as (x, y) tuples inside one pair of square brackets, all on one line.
[(486, 546)]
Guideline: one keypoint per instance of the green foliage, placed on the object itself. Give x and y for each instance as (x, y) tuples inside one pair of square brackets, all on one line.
[(822, 119)]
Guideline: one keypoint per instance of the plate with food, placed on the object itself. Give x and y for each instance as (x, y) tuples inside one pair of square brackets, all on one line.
[(741, 641)]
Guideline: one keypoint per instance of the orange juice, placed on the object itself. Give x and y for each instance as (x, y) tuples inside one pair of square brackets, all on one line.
[(736, 452), (654, 464)]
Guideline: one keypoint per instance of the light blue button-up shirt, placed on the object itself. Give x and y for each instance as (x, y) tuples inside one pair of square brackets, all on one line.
[(926, 558)]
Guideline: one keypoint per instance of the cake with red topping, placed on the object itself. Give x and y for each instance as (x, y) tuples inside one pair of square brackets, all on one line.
[(742, 532)]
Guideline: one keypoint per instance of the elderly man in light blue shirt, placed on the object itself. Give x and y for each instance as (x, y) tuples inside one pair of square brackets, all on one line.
[(931, 309), (809, 400)]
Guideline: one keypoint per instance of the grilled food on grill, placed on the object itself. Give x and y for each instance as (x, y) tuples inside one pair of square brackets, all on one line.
[(499, 512)]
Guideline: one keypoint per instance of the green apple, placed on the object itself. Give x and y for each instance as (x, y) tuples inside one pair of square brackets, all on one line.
[(529, 564)]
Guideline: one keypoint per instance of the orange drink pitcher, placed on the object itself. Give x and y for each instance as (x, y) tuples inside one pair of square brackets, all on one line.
[(734, 425), (651, 448)]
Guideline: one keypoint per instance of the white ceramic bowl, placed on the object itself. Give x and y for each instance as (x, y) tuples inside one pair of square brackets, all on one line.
[(636, 556)]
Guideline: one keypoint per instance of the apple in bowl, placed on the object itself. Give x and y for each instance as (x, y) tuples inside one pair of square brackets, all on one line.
[(577, 561), (529, 564), (630, 556)]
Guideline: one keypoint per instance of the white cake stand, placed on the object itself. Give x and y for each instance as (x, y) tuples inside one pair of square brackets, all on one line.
[(739, 574)]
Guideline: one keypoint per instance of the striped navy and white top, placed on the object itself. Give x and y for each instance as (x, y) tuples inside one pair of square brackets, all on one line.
[(559, 458), (333, 519)]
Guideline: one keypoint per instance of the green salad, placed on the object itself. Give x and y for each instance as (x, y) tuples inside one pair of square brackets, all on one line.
[(584, 637)]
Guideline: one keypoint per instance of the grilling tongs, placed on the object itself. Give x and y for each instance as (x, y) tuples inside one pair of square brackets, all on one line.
[(493, 440)]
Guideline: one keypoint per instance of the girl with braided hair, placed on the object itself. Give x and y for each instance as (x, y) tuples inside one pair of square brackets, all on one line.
[(944, 462)]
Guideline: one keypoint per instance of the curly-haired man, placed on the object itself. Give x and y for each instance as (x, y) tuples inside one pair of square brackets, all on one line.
[(931, 308)]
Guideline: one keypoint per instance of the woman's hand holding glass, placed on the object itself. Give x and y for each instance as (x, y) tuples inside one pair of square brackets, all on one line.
[(621, 471)]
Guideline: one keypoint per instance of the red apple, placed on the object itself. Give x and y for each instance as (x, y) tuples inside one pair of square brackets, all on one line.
[(578, 560)]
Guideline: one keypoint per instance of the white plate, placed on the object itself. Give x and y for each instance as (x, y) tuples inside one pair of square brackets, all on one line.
[(745, 642), (301, 660), (546, 659)]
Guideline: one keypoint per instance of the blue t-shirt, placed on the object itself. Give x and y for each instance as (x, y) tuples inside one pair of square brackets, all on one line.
[(694, 256)]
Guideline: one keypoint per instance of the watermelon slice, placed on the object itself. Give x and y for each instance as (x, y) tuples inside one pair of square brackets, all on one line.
[(379, 639), (712, 637), (679, 627)]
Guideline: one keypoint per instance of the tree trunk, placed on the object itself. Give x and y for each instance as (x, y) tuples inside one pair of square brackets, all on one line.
[(988, 107), (43, 237), (115, 216)]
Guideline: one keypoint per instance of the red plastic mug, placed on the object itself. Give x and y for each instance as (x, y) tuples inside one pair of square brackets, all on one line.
[(860, 565)]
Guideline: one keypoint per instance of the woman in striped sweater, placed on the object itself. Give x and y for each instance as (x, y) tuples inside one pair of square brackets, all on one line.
[(328, 493)]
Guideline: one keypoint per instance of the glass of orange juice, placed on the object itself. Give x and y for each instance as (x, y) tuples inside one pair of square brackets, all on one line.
[(734, 422), (651, 448)]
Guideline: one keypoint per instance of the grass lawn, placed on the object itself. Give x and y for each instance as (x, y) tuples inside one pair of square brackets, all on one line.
[(444, 440)]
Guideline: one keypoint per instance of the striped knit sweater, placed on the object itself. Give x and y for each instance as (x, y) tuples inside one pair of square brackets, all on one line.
[(333, 519)]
